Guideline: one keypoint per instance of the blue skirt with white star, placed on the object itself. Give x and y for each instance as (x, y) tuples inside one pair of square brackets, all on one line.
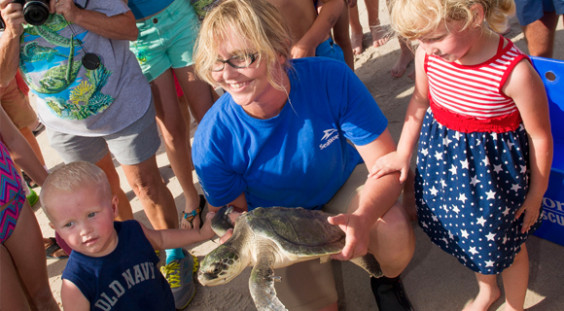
[(468, 187)]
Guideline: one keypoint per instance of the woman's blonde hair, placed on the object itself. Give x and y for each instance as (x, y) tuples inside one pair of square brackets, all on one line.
[(74, 176), (413, 19), (255, 22)]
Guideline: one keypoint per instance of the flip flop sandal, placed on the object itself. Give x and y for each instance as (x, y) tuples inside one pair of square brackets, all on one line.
[(197, 212), (52, 248)]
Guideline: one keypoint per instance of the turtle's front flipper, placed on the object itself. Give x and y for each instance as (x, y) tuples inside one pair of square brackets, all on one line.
[(261, 286), (369, 264)]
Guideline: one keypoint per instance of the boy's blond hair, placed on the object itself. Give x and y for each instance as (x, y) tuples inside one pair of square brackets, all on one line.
[(255, 21), (71, 177), (413, 19)]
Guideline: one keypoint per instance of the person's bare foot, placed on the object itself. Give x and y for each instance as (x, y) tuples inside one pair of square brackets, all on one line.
[(401, 65), (356, 43), (380, 35), (483, 301)]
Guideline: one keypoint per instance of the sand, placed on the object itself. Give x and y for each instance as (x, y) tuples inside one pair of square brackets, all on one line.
[(433, 280)]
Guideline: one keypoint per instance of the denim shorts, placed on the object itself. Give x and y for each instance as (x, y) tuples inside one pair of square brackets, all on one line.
[(166, 39), (132, 145), (329, 48), (529, 11)]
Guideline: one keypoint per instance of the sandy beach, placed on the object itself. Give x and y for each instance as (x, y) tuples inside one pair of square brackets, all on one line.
[(434, 281)]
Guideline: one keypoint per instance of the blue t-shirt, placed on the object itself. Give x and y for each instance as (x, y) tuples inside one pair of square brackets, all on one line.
[(126, 279), (300, 157)]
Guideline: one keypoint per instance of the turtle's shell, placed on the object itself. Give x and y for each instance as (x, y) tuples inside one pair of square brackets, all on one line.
[(297, 231)]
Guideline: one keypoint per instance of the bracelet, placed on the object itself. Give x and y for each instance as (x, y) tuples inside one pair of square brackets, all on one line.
[(190, 216)]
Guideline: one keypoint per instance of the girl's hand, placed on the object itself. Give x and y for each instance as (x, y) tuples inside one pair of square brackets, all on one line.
[(531, 210), (390, 163)]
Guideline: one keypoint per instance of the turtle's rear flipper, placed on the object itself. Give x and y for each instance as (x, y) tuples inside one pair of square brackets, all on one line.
[(261, 286), (369, 264)]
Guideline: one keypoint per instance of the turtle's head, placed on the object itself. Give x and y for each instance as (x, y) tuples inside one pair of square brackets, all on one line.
[(221, 222), (220, 266)]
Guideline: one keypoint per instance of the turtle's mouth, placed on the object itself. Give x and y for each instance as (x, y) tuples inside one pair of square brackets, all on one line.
[(212, 278)]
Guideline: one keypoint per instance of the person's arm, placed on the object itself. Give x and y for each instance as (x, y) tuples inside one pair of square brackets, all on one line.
[(10, 40), (119, 27), (418, 104), (174, 238), (72, 298), (526, 88), (20, 151), (321, 27), (376, 198)]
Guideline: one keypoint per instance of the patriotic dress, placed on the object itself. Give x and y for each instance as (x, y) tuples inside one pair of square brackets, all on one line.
[(12, 196), (473, 162)]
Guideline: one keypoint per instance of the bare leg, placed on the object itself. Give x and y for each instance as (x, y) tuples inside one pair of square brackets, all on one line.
[(28, 258), (13, 295), (392, 241), (124, 207), (404, 60), (356, 30), (487, 295), (175, 129), (342, 37), (540, 35), (380, 35), (157, 201), (200, 95), (515, 281)]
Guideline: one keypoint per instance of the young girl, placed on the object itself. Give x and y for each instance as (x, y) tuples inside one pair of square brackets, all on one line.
[(480, 113)]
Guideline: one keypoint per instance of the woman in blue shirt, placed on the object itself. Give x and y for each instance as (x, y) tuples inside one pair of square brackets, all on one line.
[(296, 133)]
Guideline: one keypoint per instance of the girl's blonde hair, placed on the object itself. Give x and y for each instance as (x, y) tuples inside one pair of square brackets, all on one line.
[(413, 19), (257, 23), (74, 176)]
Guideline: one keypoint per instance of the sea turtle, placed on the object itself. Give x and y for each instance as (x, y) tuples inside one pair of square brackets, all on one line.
[(270, 238)]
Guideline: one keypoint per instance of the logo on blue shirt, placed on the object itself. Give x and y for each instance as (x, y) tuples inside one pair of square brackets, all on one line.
[(329, 136)]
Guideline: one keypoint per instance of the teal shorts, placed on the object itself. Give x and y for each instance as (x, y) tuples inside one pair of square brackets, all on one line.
[(166, 39)]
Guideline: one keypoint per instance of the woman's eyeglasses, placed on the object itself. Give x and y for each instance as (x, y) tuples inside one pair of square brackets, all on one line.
[(236, 61)]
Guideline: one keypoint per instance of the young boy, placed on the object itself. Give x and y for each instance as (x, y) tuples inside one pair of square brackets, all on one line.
[(113, 264)]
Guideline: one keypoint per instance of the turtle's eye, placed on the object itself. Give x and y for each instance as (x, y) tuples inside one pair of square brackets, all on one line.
[(216, 271)]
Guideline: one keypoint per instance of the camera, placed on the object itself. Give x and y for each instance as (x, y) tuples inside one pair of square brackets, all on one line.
[(35, 12)]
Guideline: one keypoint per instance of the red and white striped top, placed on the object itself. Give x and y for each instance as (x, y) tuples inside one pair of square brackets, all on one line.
[(474, 92)]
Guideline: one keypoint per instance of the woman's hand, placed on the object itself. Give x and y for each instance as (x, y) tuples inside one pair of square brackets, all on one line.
[(390, 163), (357, 235)]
